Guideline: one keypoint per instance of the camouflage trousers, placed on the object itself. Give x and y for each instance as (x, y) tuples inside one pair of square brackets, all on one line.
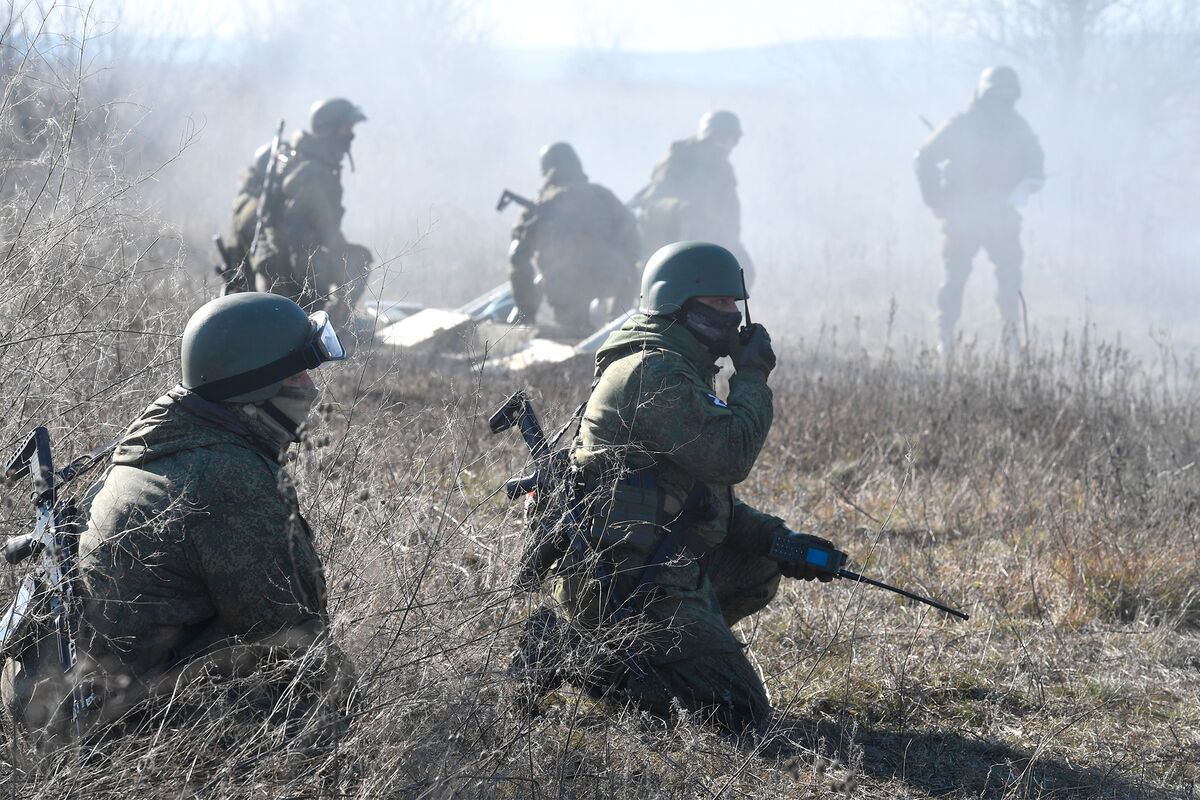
[(965, 232), (680, 649)]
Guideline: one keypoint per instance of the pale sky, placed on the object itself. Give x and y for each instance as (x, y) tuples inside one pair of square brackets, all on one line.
[(688, 24), (641, 25)]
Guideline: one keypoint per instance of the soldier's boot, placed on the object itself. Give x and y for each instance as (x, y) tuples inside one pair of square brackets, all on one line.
[(543, 652)]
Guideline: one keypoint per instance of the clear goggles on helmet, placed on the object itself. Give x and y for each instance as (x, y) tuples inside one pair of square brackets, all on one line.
[(324, 345)]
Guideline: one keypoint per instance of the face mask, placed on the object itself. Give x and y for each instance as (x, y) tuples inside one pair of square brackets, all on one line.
[(293, 403), (713, 328)]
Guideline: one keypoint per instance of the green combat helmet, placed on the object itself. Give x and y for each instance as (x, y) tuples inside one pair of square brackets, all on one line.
[(1002, 80), (239, 348), (560, 156), (327, 116), (680, 271), (719, 124)]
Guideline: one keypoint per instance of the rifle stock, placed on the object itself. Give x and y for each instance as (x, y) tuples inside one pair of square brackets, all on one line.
[(52, 583), (507, 197)]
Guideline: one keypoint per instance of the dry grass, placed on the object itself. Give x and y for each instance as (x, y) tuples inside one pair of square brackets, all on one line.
[(1054, 496)]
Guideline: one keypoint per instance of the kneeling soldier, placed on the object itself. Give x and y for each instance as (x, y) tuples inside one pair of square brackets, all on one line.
[(669, 558), (194, 558)]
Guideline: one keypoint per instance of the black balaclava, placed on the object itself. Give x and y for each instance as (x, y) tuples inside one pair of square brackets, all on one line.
[(713, 328)]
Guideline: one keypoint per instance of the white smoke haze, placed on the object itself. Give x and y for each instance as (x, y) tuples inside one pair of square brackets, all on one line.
[(831, 211)]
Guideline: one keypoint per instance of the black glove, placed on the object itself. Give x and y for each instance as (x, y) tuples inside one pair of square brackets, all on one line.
[(752, 352), (805, 557)]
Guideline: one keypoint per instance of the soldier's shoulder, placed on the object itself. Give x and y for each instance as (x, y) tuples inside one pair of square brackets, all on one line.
[(231, 472), (683, 149), (647, 367), (604, 194)]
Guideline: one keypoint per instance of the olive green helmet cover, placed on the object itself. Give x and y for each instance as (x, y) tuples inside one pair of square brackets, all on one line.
[(1001, 79), (719, 123), (560, 156), (239, 333), (680, 271), (326, 116)]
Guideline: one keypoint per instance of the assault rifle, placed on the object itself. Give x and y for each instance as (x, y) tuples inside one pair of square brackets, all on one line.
[(549, 478), (266, 200), (799, 548), (50, 586), (507, 197)]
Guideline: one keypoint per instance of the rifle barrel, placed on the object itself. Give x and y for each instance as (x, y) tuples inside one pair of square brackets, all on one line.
[(854, 576)]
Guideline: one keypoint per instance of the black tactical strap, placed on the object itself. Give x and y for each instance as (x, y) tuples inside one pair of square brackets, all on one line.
[(678, 532), (257, 378)]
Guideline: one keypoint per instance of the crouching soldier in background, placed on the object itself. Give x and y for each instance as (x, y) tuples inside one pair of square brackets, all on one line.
[(194, 560), (668, 559), (585, 243), (302, 252)]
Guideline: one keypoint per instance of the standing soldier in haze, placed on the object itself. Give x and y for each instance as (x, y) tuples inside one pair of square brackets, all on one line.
[(194, 558), (302, 253), (658, 455), (692, 192), (973, 172), (585, 244)]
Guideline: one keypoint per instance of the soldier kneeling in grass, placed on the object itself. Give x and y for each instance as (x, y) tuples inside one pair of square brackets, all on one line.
[(194, 563), (665, 558)]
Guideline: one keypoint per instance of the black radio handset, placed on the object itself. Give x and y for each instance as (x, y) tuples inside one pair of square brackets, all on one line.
[(744, 333)]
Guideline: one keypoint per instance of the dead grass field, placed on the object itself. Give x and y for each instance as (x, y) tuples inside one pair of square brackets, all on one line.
[(1054, 496), (1054, 500)]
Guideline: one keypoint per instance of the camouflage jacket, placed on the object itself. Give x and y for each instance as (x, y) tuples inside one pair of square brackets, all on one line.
[(654, 406), (311, 194), (978, 158), (193, 538), (697, 177), (585, 239)]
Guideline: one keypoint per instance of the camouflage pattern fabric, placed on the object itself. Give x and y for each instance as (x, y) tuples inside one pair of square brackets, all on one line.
[(968, 171), (585, 244), (655, 407), (195, 558), (692, 195), (304, 254), (245, 203)]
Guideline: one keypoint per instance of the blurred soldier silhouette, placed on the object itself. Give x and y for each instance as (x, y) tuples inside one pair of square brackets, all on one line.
[(302, 253), (692, 192), (974, 172), (585, 244)]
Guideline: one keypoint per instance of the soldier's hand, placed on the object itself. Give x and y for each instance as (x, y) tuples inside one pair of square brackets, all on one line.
[(751, 351), (797, 544)]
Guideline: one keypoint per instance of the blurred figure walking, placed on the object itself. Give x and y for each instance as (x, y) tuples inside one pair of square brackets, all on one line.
[(974, 172), (692, 192)]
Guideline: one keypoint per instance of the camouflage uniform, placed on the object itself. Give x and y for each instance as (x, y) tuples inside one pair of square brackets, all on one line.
[(245, 204), (692, 194), (303, 254), (194, 557), (968, 171), (585, 244), (654, 409)]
